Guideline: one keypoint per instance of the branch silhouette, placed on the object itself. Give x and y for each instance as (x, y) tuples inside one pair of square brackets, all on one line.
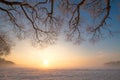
[(42, 20)]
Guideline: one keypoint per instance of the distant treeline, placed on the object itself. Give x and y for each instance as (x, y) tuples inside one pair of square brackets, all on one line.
[(113, 63), (5, 62)]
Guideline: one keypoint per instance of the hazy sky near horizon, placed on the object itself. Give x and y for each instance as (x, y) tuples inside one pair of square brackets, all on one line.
[(66, 55)]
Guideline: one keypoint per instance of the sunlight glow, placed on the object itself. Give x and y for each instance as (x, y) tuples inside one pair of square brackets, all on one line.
[(45, 62)]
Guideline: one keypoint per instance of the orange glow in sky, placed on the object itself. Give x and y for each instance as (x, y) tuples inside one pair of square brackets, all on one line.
[(57, 56)]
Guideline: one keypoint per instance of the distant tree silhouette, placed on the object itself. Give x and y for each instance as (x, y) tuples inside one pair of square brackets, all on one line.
[(4, 62), (41, 20)]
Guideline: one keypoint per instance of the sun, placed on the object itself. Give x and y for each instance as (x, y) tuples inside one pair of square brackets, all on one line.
[(46, 62)]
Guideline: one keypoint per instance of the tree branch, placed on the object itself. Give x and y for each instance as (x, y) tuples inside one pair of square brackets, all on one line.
[(103, 21)]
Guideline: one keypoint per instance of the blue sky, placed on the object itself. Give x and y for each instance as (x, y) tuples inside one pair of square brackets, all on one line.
[(107, 49), (109, 43)]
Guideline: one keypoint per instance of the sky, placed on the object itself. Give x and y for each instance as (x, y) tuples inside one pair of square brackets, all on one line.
[(64, 54)]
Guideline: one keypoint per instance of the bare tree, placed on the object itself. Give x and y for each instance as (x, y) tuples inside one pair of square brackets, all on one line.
[(41, 20)]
